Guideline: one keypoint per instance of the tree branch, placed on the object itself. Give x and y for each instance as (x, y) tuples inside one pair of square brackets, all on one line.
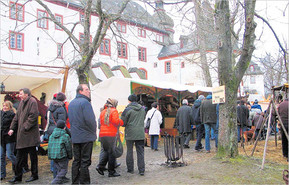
[(52, 18)]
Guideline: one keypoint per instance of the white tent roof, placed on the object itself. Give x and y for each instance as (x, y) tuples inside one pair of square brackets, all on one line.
[(16, 78), (173, 86)]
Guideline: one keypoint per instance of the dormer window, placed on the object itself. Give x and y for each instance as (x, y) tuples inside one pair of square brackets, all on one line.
[(160, 38), (252, 68)]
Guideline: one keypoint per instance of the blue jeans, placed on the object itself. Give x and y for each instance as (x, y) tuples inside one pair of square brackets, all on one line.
[(154, 141), (243, 130), (207, 135), (8, 149), (212, 134)]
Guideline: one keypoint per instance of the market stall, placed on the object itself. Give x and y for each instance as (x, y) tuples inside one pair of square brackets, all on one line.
[(168, 95)]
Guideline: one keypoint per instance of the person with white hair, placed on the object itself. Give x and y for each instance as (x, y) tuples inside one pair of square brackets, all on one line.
[(184, 120)]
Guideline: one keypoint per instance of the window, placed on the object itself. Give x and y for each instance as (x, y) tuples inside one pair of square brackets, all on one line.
[(121, 27), (16, 11), (252, 80), (59, 50), (144, 72), (251, 68), (81, 38), (142, 32), (168, 68), (41, 21), (105, 47), (122, 49), (182, 64), (142, 54), (81, 17), (160, 38), (16, 41), (59, 18)]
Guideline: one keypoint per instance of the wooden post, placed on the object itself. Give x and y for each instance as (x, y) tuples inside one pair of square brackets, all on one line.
[(65, 79), (267, 136)]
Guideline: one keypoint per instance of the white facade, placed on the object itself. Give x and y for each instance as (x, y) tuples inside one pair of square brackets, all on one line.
[(40, 46)]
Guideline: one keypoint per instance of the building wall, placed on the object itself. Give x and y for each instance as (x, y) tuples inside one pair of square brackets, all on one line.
[(40, 45)]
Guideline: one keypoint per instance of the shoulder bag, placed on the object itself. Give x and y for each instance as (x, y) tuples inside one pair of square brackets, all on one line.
[(148, 123), (118, 148)]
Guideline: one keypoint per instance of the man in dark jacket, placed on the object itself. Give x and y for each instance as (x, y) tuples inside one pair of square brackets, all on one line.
[(184, 121), (83, 134), (242, 118), (28, 138), (209, 118), (199, 126), (133, 120), (283, 112)]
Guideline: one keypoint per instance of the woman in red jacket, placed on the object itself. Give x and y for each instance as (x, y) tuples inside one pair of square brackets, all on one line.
[(109, 123)]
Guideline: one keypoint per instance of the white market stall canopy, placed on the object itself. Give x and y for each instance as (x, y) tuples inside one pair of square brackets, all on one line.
[(121, 88), (38, 80), (17, 78)]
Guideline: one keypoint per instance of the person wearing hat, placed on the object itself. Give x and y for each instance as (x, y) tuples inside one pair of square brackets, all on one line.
[(56, 111), (184, 120), (256, 105), (133, 118), (156, 120), (60, 151), (109, 123)]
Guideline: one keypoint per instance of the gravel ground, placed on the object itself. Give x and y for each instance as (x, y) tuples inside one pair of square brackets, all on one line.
[(200, 168)]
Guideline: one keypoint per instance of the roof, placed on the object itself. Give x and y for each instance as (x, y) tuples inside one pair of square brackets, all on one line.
[(190, 45), (281, 88), (133, 13)]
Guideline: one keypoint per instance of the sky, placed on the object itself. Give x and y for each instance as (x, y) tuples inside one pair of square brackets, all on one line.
[(274, 11)]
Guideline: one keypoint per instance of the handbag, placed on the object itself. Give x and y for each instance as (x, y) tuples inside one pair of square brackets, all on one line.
[(118, 148), (148, 123), (49, 128)]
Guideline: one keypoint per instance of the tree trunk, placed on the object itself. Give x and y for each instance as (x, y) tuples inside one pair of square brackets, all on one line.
[(228, 145), (230, 74), (202, 32)]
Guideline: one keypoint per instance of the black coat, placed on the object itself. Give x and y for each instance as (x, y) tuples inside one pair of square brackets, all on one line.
[(196, 112), (57, 112), (208, 112), (184, 119), (6, 119), (242, 115)]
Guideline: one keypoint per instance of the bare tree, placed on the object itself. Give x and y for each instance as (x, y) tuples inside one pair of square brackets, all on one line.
[(231, 75), (274, 68), (87, 49), (202, 33)]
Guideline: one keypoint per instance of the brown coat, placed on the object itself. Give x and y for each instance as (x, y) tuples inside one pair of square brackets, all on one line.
[(26, 120)]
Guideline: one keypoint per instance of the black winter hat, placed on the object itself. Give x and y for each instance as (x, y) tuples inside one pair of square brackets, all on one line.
[(155, 104), (61, 124), (132, 98), (60, 96)]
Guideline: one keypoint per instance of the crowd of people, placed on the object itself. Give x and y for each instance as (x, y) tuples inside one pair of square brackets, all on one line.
[(71, 131)]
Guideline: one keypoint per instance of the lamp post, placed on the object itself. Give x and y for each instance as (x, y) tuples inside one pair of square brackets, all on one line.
[(2, 87)]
